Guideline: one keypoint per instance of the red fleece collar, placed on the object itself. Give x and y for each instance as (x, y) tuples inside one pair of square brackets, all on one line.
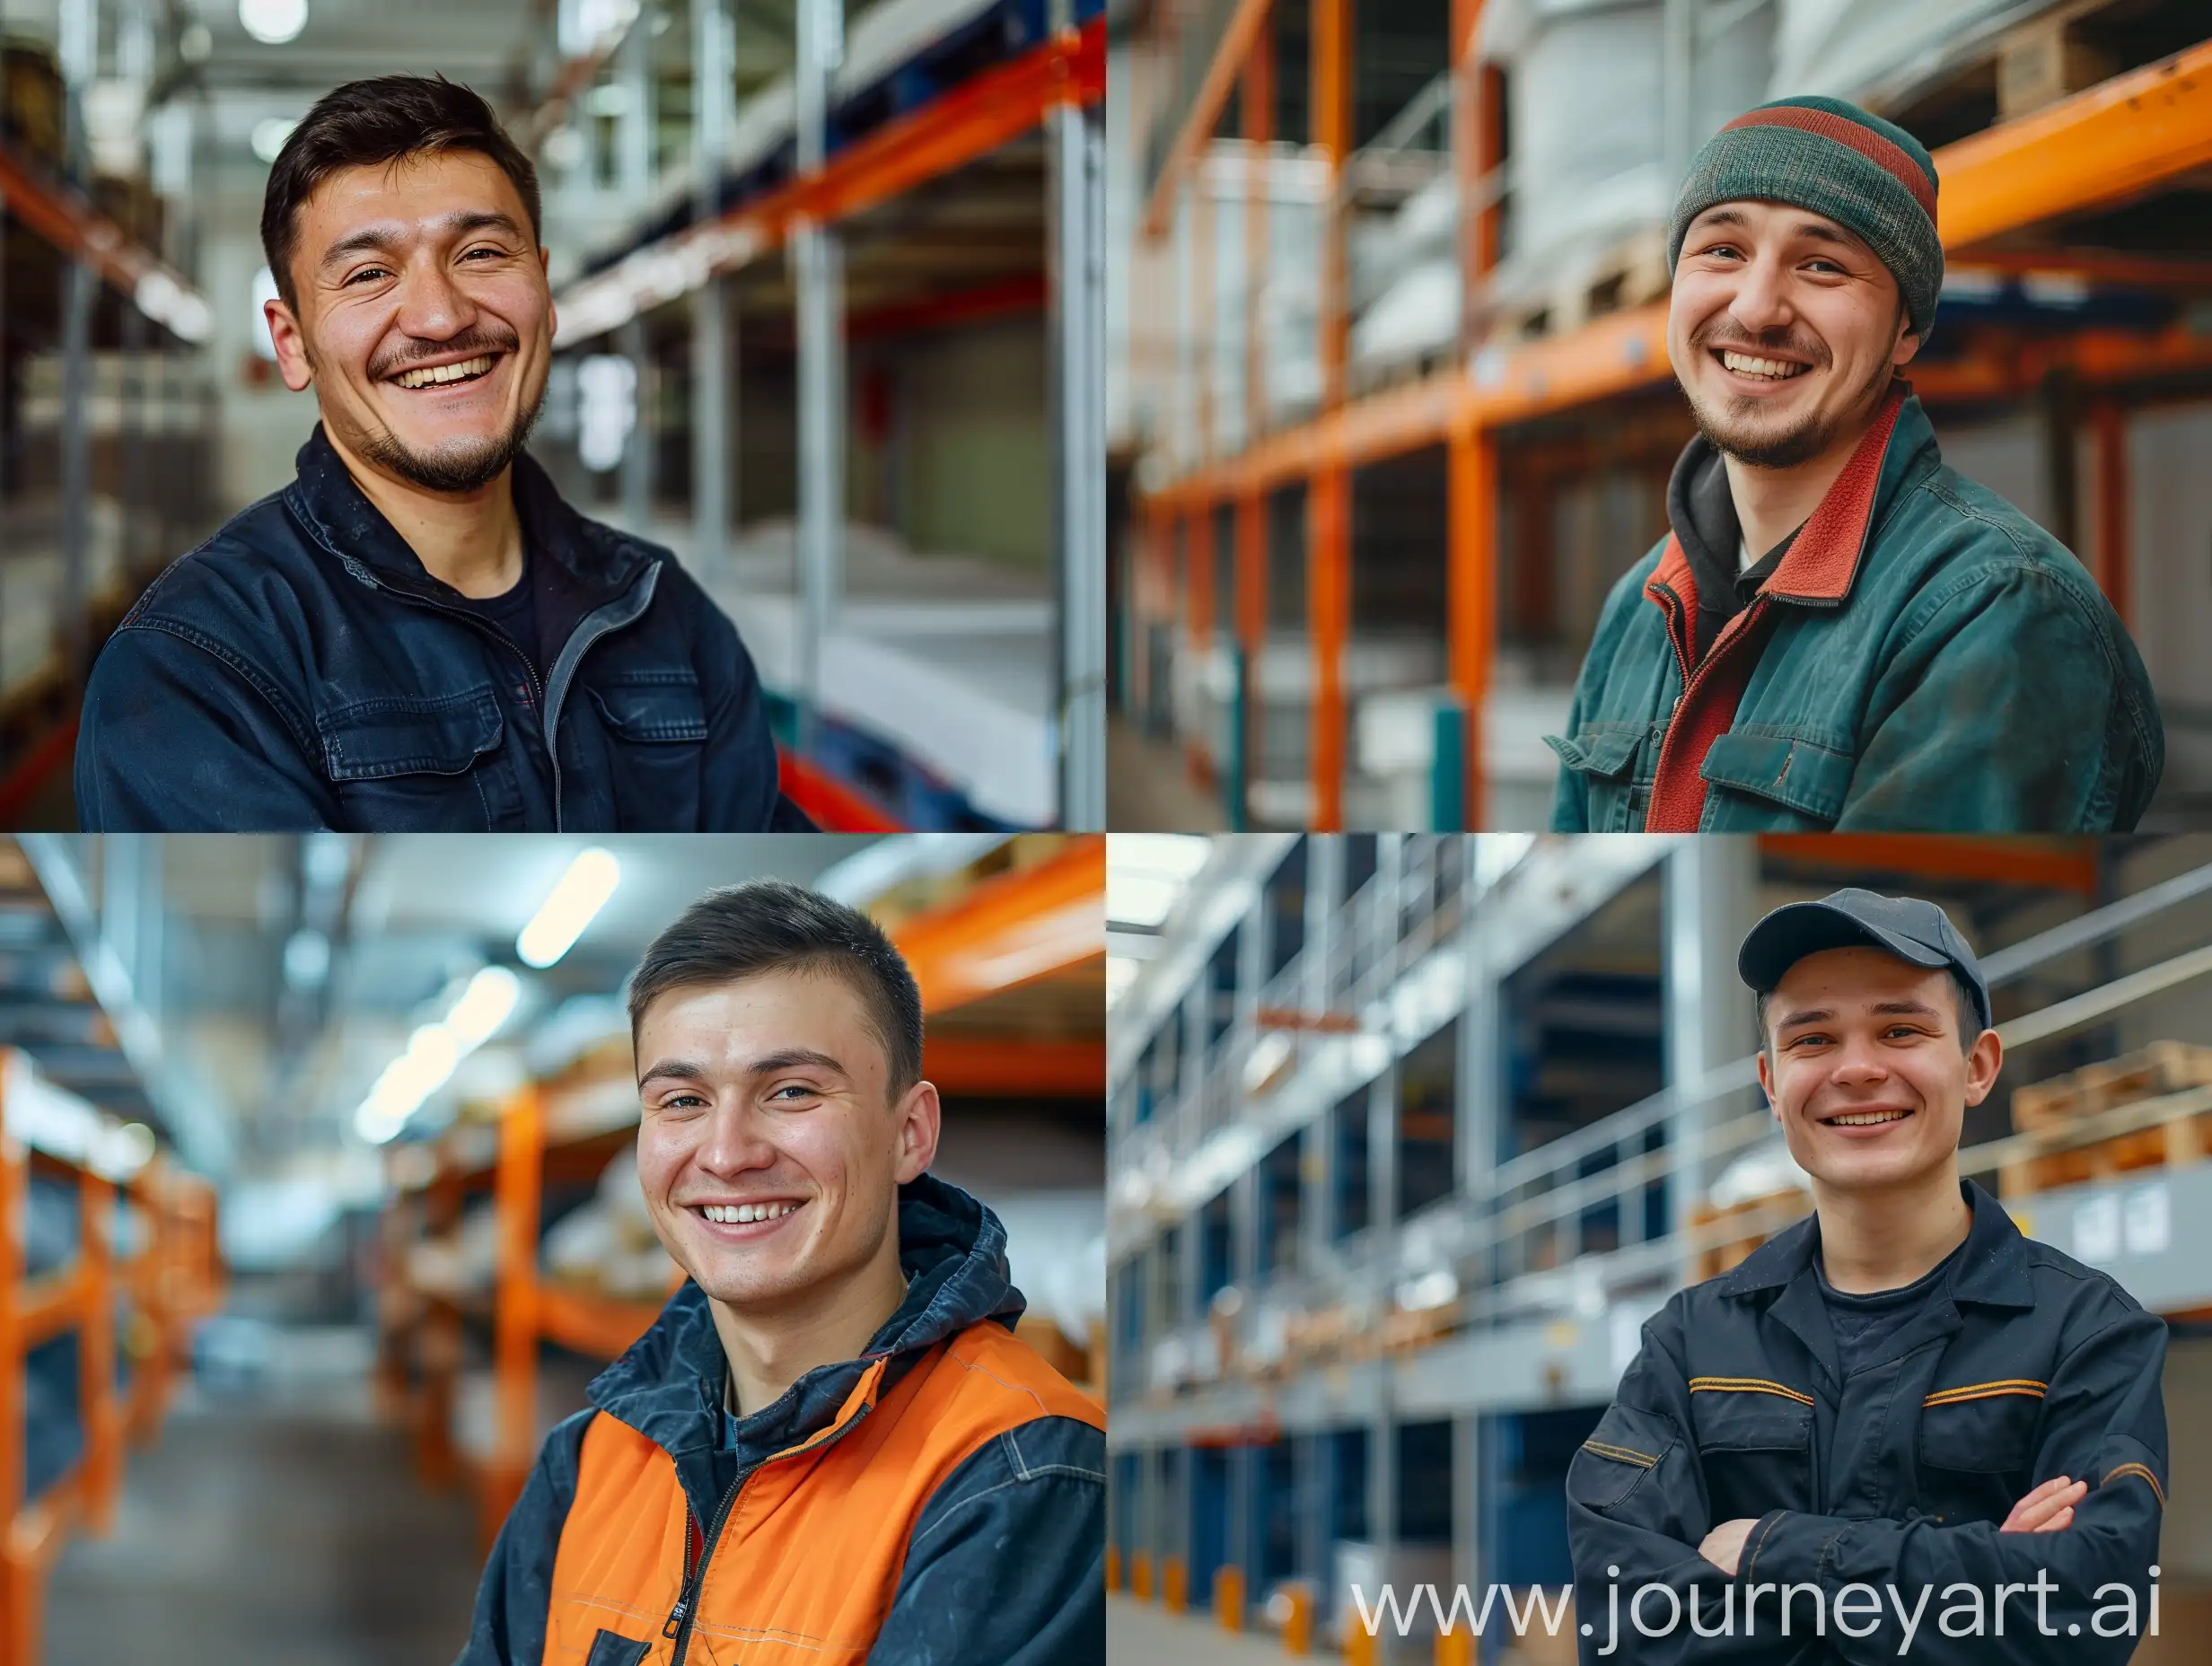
[(1818, 568)]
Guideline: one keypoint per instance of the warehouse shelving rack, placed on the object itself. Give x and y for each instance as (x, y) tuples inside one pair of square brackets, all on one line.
[(2142, 129), (837, 177), (170, 1282), (1032, 928), (37, 722), (1488, 1300)]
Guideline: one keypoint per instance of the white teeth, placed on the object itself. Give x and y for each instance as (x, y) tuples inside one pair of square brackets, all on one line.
[(1774, 370), (1868, 1119), (446, 373), (745, 1213)]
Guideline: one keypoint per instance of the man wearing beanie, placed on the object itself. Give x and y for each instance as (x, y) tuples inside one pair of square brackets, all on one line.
[(1899, 1429), (1839, 631)]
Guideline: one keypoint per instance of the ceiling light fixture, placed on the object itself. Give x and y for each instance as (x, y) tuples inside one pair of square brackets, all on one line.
[(273, 23), (570, 907)]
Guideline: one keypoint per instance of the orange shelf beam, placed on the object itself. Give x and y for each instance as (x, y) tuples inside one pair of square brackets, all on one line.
[(1002, 1066), (53, 1304), (2134, 132), (1205, 113), (2060, 864), (75, 228), (598, 1326), (2110, 142), (1011, 930), (967, 123)]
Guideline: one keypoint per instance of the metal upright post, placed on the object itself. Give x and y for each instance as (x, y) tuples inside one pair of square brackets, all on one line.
[(1078, 212), (1710, 902), (714, 364), (819, 271), (80, 24), (635, 155)]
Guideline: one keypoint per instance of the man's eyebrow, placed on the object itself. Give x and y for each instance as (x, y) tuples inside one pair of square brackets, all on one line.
[(675, 1069), (1906, 1009), (1821, 232), (1720, 216), (791, 1057), (377, 239), (1811, 1015)]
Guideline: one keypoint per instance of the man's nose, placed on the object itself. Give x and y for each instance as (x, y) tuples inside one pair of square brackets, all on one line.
[(1762, 301), (432, 306)]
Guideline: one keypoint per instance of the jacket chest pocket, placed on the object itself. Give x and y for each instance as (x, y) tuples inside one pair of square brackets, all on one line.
[(1977, 1449), (1773, 780), (1612, 763), (612, 1649), (1755, 1445), (433, 765), (655, 727)]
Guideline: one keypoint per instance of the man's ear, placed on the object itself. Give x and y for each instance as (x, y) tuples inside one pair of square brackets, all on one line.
[(920, 1122), (290, 343), (1908, 342), (1983, 1062)]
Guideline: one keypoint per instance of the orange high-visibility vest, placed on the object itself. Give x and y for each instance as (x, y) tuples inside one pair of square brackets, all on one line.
[(809, 1554)]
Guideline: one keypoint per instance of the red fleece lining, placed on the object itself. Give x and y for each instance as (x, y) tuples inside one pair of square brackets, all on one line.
[(1892, 159), (1819, 568)]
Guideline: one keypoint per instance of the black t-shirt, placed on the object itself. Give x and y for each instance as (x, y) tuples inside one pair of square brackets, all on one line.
[(1703, 513), (515, 612), (1864, 1323), (539, 614)]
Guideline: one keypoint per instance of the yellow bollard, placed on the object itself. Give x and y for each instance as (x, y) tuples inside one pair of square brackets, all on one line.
[(1175, 1584), (1298, 1625), (1362, 1647), (1140, 1576), (1113, 1568), (1455, 1647), (1229, 1597)]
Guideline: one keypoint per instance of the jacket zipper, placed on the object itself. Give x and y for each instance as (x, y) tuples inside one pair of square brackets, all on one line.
[(572, 650), (1734, 631), (680, 1618)]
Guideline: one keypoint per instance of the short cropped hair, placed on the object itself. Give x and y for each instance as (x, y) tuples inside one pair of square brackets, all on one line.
[(382, 119), (744, 931)]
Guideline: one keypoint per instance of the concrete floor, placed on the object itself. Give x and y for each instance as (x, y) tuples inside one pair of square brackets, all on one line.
[(1148, 788), (1145, 1633), (269, 1532)]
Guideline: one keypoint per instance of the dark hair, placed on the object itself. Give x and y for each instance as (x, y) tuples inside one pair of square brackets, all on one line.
[(382, 119), (1970, 1012), (742, 931)]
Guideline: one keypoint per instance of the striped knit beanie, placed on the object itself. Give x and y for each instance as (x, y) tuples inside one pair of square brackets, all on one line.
[(1867, 175)]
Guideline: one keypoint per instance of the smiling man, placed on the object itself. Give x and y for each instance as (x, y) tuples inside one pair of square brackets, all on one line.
[(418, 632), (1900, 1423), (830, 1447), (1839, 631)]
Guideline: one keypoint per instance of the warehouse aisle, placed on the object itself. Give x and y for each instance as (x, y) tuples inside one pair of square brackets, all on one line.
[(287, 1528), (1145, 1633)]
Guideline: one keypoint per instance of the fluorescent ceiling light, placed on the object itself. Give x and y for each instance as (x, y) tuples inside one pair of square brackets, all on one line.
[(273, 23), (484, 1006), (1146, 873), (571, 906), (433, 1051)]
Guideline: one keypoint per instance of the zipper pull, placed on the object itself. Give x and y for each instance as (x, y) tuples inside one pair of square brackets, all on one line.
[(675, 1616)]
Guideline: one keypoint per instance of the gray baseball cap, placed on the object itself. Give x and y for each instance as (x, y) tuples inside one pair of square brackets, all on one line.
[(1912, 930)]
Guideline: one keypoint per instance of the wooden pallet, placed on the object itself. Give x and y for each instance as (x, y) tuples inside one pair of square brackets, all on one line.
[(1717, 1259), (2162, 1067), (1633, 271), (2050, 1109)]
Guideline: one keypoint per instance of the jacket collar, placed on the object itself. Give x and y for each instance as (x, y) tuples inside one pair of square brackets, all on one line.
[(334, 510), (668, 1386), (1825, 559), (1992, 1273)]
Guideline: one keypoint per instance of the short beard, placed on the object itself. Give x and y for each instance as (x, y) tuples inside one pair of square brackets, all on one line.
[(1809, 437), (462, 466)]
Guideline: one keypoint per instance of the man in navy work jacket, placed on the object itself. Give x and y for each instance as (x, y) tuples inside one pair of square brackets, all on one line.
[(1900, 1427), (418, 632)]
